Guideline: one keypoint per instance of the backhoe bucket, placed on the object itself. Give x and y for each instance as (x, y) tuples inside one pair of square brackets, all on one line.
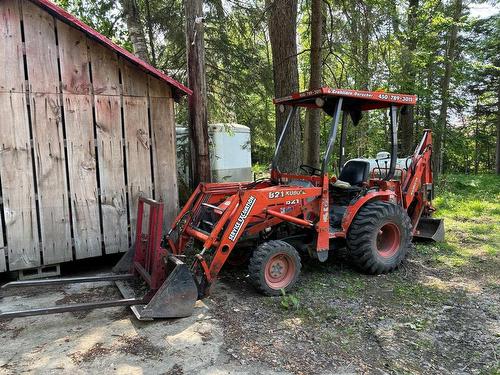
[(430, 229)]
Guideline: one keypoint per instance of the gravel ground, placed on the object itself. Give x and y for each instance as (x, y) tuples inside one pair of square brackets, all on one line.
[(420, 319), (423, 318)]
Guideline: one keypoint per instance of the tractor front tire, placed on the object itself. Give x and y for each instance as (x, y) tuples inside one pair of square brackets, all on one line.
[(379, 237), (274, 265)]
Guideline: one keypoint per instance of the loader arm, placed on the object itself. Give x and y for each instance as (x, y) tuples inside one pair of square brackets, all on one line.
[(218, 216)]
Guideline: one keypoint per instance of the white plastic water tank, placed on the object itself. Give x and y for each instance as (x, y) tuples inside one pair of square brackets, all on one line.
[(230, 152), (230, 156)]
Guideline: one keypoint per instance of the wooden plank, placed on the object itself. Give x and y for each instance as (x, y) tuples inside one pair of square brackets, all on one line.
[(3, 263), (164, 157), (11, 48), (164, 148), (75, 75), (82, 175), (137, 153), (41, 49), (48, 142), (158, 89), (79, 124), (112, 173), (135, 81), (105, 68), (18, 190), (48, 138)]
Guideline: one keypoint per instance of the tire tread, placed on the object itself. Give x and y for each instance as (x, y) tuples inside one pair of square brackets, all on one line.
[(361, 231), (258, 262)]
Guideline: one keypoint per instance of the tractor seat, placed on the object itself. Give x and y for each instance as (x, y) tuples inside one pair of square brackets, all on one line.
[(353, 175)]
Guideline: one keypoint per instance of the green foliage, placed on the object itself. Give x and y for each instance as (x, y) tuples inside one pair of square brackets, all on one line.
[(470, 206), (289, 301), (101, 15), (368, 44)]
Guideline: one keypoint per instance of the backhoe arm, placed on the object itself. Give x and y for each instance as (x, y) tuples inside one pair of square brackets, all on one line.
[(417, 185)]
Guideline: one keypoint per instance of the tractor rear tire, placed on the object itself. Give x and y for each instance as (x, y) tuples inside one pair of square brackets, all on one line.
[(274, 266), (379, 237)]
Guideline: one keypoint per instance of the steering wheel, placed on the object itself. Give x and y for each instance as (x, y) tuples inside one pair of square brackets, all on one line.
[(309, 169)]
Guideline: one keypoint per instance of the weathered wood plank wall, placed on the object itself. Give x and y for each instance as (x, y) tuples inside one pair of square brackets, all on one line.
[(79, 124), (48, 133), (18, 191), (11, 48), (84, 134), (137, 146), (164, 148), (3, 259), (107, 101), (16, 163)]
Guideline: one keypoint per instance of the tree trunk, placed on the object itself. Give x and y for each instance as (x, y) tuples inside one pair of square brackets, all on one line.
[(476, 147), (282, 24), (445, 86), (497, 158), (428, 97), (312, 126), (365, 75), (198, 117), (149, 23), (408, 80), (135, 29)]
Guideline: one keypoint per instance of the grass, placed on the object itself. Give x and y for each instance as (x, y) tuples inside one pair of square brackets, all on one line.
[(470, 206)]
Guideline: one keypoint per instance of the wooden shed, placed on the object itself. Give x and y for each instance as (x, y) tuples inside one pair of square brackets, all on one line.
[(85, 129)]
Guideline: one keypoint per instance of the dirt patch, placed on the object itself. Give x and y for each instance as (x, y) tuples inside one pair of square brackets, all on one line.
[(420, 319), (97, 350), (140, 346), (175, 370), (88, 295), (16, 332), (4, 327)]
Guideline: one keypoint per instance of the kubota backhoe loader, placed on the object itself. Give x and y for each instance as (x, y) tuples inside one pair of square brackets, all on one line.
[(374, 212)]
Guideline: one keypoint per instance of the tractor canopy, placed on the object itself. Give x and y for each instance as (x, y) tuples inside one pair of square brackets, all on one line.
[(353, 100), (350, 103)]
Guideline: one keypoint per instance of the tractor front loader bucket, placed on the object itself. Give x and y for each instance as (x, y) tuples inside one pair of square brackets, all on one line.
[(430, 229), (175, 298), (168, 289)]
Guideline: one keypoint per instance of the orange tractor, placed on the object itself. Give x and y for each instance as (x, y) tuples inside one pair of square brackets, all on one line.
[(374, 212), (373, 208)]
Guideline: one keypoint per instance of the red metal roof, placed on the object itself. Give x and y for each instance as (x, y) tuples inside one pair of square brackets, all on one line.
[(356, 99), (179, 88)]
